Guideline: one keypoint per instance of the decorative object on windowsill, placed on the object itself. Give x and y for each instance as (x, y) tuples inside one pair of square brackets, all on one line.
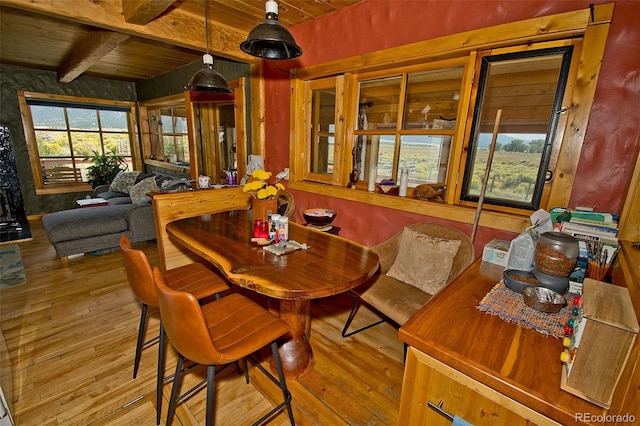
[(264, 194), (207, 79), (270, 39), (389, 187), (404, 182), (431, 192)]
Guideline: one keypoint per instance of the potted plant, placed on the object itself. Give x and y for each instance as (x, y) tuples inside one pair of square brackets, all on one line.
[(105, 167)]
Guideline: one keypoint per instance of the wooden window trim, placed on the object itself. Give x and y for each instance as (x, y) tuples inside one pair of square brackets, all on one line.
[(32, 144), (590, 25)]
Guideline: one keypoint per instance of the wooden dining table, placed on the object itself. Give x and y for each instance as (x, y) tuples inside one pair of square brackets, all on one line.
[(330, 265)]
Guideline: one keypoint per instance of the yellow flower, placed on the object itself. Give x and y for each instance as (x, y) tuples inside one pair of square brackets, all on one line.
[(258, 186), (261, 174), (253, 186)]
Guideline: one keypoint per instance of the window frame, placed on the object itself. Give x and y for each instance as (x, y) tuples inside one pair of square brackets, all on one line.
[(398, 132), (567, 50), (70, 101), (587, 28), (336, 83)]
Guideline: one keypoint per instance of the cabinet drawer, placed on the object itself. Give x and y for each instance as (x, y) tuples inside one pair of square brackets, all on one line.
[(427, 380)]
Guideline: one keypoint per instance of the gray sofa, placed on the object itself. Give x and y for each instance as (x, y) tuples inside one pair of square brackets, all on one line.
[(97, 230)]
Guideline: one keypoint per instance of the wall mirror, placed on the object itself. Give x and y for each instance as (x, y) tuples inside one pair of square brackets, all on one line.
[(197, 133)]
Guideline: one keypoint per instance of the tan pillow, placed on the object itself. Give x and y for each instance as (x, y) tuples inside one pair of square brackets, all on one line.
[(423, 261), (138, 192)]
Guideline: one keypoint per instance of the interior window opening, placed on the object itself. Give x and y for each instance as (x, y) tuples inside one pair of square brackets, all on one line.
[(407, 122)]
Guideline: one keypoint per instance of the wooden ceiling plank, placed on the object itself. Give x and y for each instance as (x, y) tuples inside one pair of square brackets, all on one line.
[(93, 47), (141, 12), (173, 27)]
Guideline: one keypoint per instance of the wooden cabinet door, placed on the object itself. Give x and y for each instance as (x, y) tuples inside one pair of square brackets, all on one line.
[(427, 380)]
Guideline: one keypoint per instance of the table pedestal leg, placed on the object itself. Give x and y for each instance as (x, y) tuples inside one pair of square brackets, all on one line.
[(295, 350)]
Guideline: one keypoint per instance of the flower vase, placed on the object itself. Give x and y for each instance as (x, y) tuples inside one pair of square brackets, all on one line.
[(261, 208)]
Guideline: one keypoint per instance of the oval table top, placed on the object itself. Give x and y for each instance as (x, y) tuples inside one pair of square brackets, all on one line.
[(329, 266)]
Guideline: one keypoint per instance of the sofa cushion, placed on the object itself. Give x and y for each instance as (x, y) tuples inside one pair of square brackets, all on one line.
[(119, 200), (138, 192), (111, 194), (123, 181), (424, 261), (79, 223)]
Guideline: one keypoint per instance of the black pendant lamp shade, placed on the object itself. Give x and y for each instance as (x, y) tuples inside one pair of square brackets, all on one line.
[(270, 39), (207, 79)]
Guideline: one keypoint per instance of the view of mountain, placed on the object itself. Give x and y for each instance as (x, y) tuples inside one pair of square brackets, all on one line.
[(52, 117)]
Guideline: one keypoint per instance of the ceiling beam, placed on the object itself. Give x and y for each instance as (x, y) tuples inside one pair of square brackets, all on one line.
[(141, 12), (173, 27), (88, 52)]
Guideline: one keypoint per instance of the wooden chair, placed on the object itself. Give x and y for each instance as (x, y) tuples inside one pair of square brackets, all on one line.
[(220, 332), (194, 278), (62, 174), (286, 203), (394, 299)]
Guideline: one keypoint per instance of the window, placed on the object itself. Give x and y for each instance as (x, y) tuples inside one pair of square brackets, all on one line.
[(168, 134), (527, 87), (406, 121), (429, 108), (63, 133), (321, 153)]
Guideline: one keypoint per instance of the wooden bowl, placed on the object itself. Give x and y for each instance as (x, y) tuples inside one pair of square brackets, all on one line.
[(542, 299), (319, 217)]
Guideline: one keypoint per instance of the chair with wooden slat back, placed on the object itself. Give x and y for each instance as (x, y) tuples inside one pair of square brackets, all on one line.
[(62, 174), (286, 204)]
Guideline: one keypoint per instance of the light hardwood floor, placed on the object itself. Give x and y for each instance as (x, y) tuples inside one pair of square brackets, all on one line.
[(71, 333)]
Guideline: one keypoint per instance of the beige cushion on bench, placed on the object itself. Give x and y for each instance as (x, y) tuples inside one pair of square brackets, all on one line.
[(400, 301)]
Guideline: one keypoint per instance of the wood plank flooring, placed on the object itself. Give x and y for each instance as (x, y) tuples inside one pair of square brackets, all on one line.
[(71, 332)]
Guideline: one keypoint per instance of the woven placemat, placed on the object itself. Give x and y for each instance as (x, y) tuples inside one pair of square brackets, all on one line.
[(509, 306)]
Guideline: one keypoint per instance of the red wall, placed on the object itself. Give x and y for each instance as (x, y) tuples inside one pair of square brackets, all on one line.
[(611, 142)]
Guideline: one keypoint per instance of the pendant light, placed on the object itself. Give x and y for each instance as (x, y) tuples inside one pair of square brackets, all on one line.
[(207, 79), (270, 39)]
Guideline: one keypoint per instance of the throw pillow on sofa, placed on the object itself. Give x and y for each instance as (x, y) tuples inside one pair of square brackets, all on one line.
[(124, 181), (138, 192)]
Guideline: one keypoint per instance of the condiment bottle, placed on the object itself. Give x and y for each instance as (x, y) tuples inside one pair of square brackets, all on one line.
[(283, 231), (273, 229)]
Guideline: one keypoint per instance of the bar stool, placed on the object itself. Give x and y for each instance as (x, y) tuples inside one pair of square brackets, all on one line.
[(219, 332), (194, 278)]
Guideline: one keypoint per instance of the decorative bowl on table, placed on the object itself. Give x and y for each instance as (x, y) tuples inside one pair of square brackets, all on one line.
[(542, 299), (517, 280), (319, 217)]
